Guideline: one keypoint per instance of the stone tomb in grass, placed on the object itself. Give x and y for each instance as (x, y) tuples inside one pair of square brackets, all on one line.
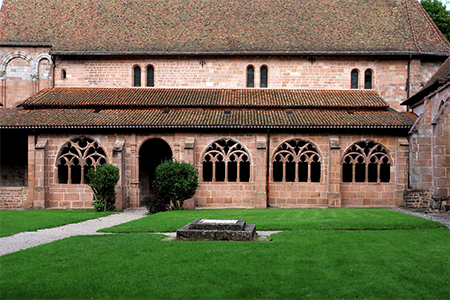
[(217, 230)]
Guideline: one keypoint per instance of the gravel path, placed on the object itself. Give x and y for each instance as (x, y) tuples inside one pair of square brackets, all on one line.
[(30, 239), (443, 218)]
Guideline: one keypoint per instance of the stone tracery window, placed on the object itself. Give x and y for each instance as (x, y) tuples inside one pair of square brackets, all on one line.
[(296, 161), (77, 157), (366, 161), (226, 161)]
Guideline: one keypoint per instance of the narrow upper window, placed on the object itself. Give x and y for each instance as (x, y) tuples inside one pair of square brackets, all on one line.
[(366, 162), (354, 79), (76, 158), (296, 161), (368, 79), (63, 74), (150, 76), (226, 161), (136, 76), (264, 77), (250, 76)]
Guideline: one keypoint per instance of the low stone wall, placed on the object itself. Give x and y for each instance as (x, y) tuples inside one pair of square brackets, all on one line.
[(13, 197), (417, 198)]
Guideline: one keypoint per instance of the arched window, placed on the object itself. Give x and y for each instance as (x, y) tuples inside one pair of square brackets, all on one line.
[(263, 77), (296, 161), (366, 162), (77, 157), (137, 76), (226, 161), (250, 76), (63, 73), (354, 79), (368, 79), (150, 76)]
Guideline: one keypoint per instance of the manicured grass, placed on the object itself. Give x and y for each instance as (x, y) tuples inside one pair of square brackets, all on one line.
[(14, 221), (306, 264), (282, 219)]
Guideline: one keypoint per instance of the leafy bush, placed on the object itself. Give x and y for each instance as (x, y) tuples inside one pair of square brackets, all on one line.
[(102, 181), (155, 204), (175, 182)]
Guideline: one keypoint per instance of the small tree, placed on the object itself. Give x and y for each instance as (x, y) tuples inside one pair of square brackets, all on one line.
[(175, 182), (102, 181), (439, 14)]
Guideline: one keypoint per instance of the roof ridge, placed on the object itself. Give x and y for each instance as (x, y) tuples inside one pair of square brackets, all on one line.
[(412, 27)]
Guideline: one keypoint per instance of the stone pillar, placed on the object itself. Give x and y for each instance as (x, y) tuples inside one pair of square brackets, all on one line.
[(334, 173), (40, 177), (189, 157), (118, 161), (133, 200), (260, 174), (3, 89), (402, 170), (31, 171)]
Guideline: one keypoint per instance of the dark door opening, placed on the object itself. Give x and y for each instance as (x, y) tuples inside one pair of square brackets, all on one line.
[(152, 153)]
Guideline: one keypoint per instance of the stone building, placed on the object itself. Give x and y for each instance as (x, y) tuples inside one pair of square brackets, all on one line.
[(275, 103), (430, 143)]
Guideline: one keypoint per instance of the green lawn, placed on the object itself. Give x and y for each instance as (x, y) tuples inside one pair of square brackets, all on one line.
[(15, 221), (282, 219), (300, 262)]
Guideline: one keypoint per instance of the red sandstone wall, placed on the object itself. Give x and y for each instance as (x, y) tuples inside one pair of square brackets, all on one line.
[(222, 194), (13, 197), (389, 75), (19, 84)]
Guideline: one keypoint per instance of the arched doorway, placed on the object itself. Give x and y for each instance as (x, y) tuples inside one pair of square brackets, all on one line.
[(152, 153)]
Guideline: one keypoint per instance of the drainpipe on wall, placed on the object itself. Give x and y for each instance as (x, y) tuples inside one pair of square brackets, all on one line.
[(267, 167)]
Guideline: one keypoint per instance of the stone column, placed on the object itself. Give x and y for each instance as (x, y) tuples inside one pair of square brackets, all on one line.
[(3, 89), (118, 161), (334, 172), (402, 170), (189, 157), (40, 182), (29, 202), (134, 173), (260, 175)]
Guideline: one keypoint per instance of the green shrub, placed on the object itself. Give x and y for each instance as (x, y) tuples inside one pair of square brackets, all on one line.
[(155, 204), (175, 182), (102, 181)]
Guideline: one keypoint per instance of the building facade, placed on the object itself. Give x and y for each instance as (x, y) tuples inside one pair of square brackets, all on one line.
[(277, 104)]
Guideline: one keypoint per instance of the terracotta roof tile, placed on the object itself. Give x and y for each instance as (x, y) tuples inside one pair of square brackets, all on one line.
[(199, 118), (150, 97), (192, 27)]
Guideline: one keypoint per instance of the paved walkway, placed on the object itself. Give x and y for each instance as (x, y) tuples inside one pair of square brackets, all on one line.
[(24, 240)]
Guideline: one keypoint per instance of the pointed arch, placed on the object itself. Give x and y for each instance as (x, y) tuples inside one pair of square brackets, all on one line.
[(76, 157), (297, 160), (226, 160), (366, 161)]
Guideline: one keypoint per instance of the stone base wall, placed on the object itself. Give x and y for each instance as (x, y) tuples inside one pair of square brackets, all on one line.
[(370, 195), (13, 197), (417, 198)]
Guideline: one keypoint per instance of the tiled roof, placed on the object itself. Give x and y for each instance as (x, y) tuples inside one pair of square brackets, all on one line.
[(228, 27), (202, 118), (206, 98), (203, 108)]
